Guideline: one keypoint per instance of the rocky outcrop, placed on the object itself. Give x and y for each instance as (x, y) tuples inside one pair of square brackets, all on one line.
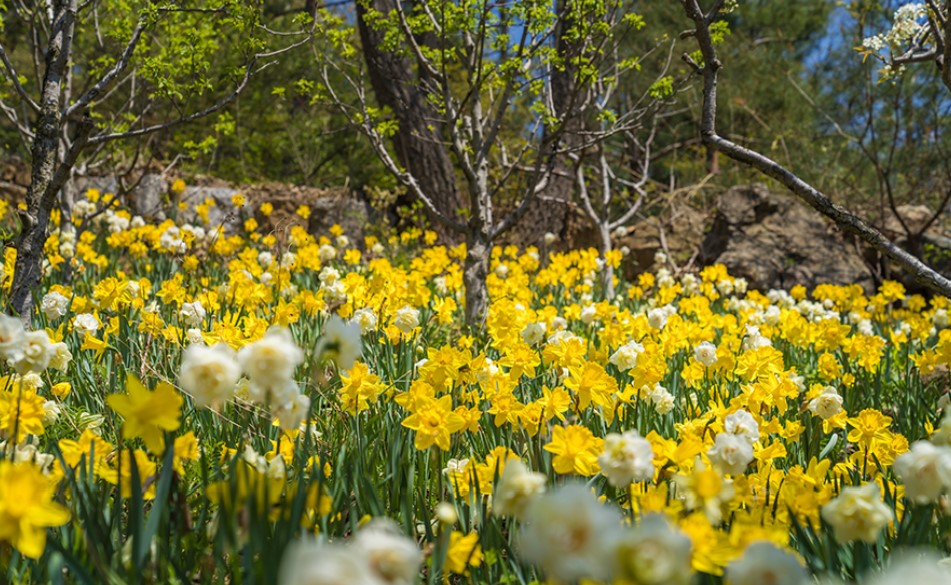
[(14, 179), (328, 207), (922, 234), (678, 233), (152, 197), (774, 241), (149, 197)]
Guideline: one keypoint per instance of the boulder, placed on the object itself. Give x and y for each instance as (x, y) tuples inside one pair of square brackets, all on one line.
[(915, 217), (774, 241), (14, 180), (222, 213), (932, 245), (328, 207), (104, 185), (680, 232), (147, 197)]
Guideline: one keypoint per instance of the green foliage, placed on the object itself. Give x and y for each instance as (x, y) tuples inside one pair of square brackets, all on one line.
[(662, 88)]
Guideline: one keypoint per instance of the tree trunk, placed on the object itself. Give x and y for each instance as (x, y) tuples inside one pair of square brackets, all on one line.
[(475, 271), (551, 211), (607, 272), (29, 263), (46, 179), (418, 141)]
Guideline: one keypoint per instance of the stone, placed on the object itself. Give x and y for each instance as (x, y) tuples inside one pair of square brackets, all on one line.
[(147, 197), (915, 218), (774, 241), (222, 214)]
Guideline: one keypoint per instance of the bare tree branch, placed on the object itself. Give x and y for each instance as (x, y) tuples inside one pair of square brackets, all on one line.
[(118, 68), (842, 217), (15, 79)]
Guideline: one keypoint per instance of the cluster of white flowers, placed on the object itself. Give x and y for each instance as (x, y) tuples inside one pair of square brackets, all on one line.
[(26, 451), (725, 287), (378, 555), (30, 352), (780, 298), (925, 470), (657, 317), (331, 285), (732, 449), (664, 278), (625, 357), (533, 333), (67, 241), (326, 252), (54, 305), (764, 562), (406, 319), (212, 375), (754, 339), (827, 404), (705, 353), (192, 314), (589, 314), (816, 312), (209, 374), (571, 536), (626, 458), (171, 241), (517, 486), (813, 311), (857, 513), (365, 319), (269, 364), (940, 318), (85, 324), (198, 233), (82, 208), (340, 341), (662, 400), (690, 283), (289, 259), (115, 222), (909, 21)]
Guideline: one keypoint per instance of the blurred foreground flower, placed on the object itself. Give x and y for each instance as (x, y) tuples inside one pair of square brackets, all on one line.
[(148, 414), (27, 508)]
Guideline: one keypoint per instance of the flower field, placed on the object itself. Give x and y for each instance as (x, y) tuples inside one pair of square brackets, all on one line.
[(191, 406)]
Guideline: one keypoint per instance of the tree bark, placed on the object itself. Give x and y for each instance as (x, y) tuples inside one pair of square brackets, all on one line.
[(607, 272), (551, 210), (46, 178), (418, 141), (475, 272)]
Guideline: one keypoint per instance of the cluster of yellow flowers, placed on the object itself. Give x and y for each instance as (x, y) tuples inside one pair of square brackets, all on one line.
[(713, 417)]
